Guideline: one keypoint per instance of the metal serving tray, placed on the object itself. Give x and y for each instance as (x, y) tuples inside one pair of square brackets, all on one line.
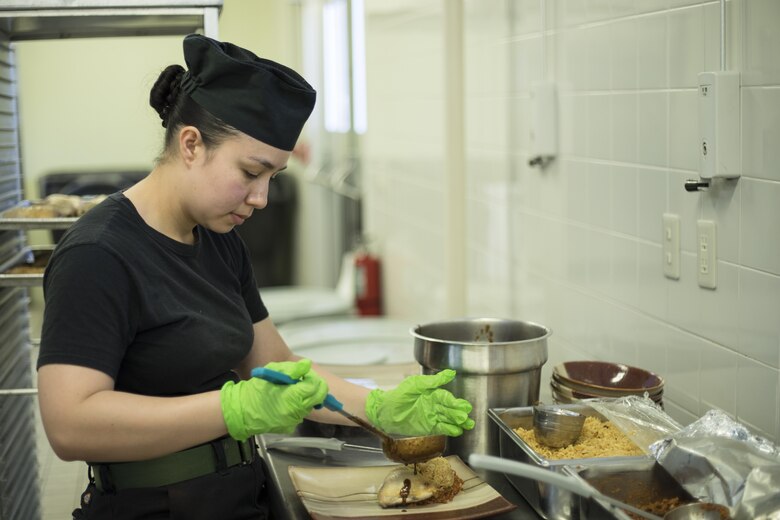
[(25, 256), (639, 483), (549, 501)]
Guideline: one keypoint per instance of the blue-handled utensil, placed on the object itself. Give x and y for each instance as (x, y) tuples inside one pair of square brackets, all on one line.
[(280, 378), (406, 450), (330, 402)]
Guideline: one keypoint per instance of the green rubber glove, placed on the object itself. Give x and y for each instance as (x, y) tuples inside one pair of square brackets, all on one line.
[(418, 406), (258, 406)]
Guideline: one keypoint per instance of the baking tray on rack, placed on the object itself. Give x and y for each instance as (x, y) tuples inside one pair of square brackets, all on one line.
[(32, 260), (11, 223), (56, 211), (550, 502)]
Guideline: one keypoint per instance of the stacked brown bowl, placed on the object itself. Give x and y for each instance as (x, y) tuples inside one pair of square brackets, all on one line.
[(573, 381)]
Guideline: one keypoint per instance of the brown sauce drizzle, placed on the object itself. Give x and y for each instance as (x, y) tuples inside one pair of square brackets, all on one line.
[(407, 487)]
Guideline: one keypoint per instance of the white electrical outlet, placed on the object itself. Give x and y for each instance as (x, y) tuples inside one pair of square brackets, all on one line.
[(670, 242), (707, 257)]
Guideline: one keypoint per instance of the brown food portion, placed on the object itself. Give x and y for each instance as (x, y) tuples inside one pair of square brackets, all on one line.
[(659, 507), (26, 269), (38, 265), (35, 211), (444, 495), (55, 205), (598, 439), (652, 490), (438, 473)]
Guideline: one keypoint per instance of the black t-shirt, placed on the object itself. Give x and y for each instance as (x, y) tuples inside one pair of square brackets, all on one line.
[(160, 317)]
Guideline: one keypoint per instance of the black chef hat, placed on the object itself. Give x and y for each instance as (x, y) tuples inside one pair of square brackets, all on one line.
[(259, 97)]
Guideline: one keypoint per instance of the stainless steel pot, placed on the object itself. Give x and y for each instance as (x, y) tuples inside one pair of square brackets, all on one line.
[(499, 364)]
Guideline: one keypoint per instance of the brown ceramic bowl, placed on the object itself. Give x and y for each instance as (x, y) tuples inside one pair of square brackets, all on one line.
[(562, 399), (582, 391), (567, 392), (607, 379), (562, 388), (563, 395)]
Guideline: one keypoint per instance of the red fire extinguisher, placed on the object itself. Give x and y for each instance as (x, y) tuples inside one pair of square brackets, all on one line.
[(368, 288)]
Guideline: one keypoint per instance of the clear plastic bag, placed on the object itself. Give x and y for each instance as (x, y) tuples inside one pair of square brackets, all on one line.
[(643, 421)]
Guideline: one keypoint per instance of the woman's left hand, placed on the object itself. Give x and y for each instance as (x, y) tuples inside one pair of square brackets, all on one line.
[(418, 406)]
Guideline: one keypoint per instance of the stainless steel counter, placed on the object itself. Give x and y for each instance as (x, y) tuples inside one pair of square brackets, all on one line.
[(285, 503)]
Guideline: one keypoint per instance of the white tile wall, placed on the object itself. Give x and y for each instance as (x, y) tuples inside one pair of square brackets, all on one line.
[(761, 64), (683, 130), (761, 132), (624, 65), (652, 194), (759, 244), (686, 46), (653, 127), (758, 324), (651, 45), (583, 253), (625, 130)]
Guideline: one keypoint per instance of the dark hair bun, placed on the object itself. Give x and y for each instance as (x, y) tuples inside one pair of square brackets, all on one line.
[(165, 91)]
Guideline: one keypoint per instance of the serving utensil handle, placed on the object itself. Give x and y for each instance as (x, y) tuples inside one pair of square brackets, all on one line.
[(330, 402), (280, 378)]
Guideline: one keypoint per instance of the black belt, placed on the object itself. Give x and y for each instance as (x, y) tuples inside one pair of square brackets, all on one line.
[(212, 457)]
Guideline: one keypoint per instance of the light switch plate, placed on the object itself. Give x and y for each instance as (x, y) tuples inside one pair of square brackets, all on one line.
[(670, 242), (707, 257)]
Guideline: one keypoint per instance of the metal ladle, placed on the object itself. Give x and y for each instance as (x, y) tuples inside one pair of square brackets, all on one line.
[(406, 450)]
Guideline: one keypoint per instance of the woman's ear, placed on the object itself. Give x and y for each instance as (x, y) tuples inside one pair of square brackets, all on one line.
[(190, 144)]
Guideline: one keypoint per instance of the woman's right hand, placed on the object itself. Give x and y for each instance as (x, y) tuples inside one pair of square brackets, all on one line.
[(257, 406)]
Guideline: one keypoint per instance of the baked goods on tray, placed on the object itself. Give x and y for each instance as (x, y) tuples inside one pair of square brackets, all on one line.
[(55, 205), (35, 265)]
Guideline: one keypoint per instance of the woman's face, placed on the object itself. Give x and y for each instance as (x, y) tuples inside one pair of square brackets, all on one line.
[(232, 181)]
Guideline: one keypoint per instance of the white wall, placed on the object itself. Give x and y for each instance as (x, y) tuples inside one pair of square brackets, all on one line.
[(403, 154), (577, 247)]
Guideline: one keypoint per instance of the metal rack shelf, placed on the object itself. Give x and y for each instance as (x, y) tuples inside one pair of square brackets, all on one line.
[(25, 256), (36, 223), (56, 19), (50, 20)]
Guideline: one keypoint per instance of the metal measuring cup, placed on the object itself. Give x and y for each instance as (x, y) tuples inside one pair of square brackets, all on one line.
[(557, 427)]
